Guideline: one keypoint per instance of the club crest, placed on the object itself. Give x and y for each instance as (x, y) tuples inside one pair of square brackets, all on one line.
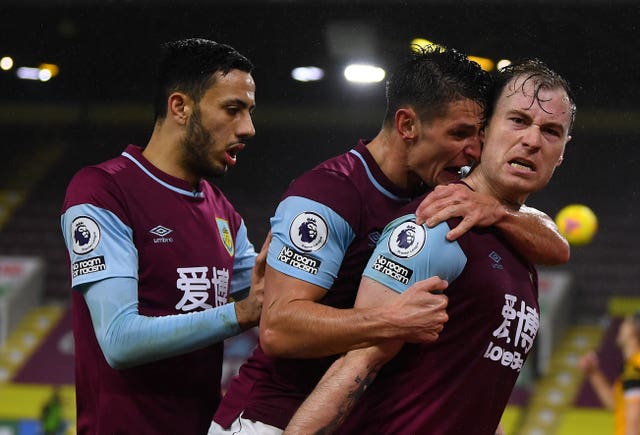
[(225, 235)]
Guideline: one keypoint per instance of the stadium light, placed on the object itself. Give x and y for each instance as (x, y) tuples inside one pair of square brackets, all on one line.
[(361, 73), (6, 63), (307, 74)]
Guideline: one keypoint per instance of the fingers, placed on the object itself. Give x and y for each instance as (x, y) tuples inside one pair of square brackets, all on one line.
[(441, 204), (265, 245), (431, 204), (463, 226), (435, 284)]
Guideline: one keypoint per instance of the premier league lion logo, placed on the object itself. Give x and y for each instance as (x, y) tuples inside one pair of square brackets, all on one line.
[(308, 231), (406, 237), (81, 234), (85, 233)]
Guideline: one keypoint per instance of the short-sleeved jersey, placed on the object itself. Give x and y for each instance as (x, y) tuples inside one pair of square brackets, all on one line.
[(324, 231), (188, 250), (627, 385), (461, 383)]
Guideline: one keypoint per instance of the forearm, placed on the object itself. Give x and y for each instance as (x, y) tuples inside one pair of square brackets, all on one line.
[(128, 339), (132, 339), (632, 415), (602, 388), (535, 235), (307, 329), (338, 391)]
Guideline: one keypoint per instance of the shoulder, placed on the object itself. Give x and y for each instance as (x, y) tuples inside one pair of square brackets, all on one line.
[(331, 188)]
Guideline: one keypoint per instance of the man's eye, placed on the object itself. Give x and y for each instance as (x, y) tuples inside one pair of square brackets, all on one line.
[(552, 132)]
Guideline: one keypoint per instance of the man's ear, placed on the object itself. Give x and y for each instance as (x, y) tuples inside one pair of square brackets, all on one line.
[(179, 107), (562, 155), (407, 124)]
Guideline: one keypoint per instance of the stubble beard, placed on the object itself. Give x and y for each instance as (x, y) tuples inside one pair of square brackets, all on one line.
[(196, 144)]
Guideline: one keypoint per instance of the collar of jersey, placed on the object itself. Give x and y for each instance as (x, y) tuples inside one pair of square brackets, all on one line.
[(177, 185)]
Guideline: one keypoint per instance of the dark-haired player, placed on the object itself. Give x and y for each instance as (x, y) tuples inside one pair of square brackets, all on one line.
[(157, 252), (435, 104), (461, 383)]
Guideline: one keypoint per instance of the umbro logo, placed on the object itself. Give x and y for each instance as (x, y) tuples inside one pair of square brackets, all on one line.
[(496, 260), (162, 233)]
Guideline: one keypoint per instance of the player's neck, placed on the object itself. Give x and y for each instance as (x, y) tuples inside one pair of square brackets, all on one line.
[(390, 155), (164, 152)]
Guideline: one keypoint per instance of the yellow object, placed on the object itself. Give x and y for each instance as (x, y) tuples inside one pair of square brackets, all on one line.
[(578, 223)]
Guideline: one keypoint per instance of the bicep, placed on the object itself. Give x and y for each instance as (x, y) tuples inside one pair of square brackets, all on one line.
[(309, 241), (371, 293), (280, 288)]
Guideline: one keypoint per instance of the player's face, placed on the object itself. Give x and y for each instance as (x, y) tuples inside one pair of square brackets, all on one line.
[(525, 138), (219, 124), (625, 331), (447, 143)]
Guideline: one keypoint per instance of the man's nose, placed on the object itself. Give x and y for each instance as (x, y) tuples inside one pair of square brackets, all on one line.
[(531, 137), (473, 148), (246, 128)]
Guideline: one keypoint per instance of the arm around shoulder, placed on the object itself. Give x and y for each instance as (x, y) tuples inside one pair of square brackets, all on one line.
[(535, 235)]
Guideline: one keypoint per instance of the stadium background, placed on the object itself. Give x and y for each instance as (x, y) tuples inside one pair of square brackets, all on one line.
[(100, 101)]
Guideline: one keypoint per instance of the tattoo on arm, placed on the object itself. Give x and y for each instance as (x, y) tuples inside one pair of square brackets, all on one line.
[(352, 397)]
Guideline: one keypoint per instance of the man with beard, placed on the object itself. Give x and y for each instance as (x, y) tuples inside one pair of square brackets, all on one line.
[(156, 254)]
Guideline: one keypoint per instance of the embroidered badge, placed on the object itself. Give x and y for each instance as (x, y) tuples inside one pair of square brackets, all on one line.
[(308, 232), (85, 234), (407, 239), (225, 235)]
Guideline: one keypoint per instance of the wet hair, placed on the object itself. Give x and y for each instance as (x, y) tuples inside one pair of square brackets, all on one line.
[(189, 65), (429, 78), (543, 77)]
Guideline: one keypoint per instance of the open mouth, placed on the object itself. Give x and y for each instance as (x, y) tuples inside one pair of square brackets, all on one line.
[(522, 165), (232, 153)]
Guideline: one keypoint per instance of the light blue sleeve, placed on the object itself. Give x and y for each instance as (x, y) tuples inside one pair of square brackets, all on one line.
[(407, 253), (309, 241), (129, 339), (100, 245), (245, 258)]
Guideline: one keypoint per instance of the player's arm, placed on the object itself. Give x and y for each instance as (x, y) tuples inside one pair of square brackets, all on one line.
[(530, 231), (295, 325), (344, 382), (591, 367), (248, 301), (129, 339), (632, 412)]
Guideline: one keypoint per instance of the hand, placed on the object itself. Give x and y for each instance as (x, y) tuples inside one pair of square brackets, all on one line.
[(248, 310), (421, 310), (589, 362), (457, 200)]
